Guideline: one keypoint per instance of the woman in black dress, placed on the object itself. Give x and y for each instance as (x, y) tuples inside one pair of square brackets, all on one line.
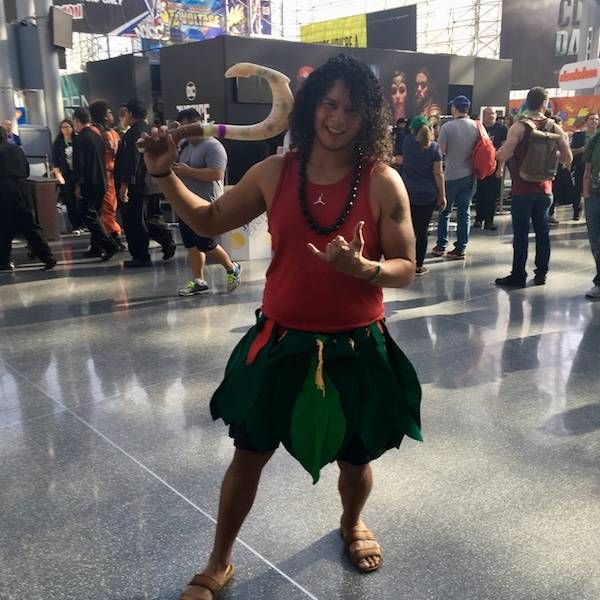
[(62, 161)]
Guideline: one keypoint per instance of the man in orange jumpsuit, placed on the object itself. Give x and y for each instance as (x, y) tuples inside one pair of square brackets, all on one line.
[(103, 120)]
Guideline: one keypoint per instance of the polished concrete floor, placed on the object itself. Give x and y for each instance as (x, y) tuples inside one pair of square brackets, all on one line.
[(110, 464)]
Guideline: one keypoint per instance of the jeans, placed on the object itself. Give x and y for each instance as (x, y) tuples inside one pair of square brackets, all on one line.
[(592, 217), (92, 205), (534, 208), (488, 191), (421, 215), (17, 216), (143, 220), (459, 192)]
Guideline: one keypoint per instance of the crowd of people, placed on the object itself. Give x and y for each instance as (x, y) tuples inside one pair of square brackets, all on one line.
[(420, 150), (107, 192)]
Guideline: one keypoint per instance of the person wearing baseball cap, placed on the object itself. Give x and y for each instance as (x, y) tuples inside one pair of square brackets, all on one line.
[(457, 140), (461, 103)]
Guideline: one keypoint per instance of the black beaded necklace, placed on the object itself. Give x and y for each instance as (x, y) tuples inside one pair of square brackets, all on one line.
[(303, 184)]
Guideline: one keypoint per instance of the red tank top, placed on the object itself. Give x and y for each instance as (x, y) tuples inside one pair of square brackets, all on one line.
[(519, 186), (302, 292)]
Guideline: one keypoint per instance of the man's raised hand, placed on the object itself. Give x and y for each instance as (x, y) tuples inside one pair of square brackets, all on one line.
[(345, 257)]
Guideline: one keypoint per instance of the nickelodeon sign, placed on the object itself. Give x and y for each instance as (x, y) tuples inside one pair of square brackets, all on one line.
[(581, 75)]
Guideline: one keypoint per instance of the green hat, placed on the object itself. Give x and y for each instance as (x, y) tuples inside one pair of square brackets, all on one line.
[(417, 122)]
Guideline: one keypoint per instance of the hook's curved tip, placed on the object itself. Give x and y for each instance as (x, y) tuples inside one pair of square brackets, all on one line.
[(249, 69)]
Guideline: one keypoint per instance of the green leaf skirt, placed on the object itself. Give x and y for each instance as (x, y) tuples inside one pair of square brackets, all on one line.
[(319, 394)]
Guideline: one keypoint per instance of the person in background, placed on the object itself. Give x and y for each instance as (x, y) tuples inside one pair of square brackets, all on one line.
[(16, 207), (103, 120), (139, 195), (201, 167), (591, 194), (578, 142), (424, 180), (123, 125), (457, 140), (563, 186), (488, 189), (12, 138), (399, 133), (62, 163), (530, 201), (88, 166)]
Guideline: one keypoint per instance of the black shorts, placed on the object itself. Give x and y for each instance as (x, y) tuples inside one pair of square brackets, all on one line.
[(192, 240), (355, 454)]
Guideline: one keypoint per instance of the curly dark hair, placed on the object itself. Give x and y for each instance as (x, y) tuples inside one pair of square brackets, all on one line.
[(367, 98), (98, 111)]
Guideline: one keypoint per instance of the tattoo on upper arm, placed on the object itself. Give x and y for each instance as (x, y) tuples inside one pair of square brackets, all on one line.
[(397, 213)]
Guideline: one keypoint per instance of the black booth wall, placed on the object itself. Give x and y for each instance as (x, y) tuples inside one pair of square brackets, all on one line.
[(492, 83), (486, 82), (120, 79), (204, 65)]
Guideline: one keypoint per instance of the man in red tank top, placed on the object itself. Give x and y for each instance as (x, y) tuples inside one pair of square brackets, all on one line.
[(314, 373), (530, 202)]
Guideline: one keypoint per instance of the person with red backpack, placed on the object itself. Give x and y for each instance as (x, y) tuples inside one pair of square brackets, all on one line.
[(488, 188), (458, 139), (536, 144)]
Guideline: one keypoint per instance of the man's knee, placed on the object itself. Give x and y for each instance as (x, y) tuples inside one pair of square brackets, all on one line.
[(348, 469), (247, 462)]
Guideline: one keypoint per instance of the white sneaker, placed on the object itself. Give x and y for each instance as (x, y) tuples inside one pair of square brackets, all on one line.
[(593, 293), (191, 288), (234, 277)]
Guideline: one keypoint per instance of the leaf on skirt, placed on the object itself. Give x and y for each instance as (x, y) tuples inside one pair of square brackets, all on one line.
[(318, 424)]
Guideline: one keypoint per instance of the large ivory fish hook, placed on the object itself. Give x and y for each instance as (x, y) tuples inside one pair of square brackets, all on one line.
[(275, 123)]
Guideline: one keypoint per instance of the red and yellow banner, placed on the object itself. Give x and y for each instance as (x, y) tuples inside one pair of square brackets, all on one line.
[(572, 110)]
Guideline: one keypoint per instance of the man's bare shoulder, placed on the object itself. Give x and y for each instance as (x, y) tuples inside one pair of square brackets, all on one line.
[(384, 177), (270, 165)]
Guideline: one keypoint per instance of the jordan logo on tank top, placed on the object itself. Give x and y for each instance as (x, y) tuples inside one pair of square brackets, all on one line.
[(319, 200)]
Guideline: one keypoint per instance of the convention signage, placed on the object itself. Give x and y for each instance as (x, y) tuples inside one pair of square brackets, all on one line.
[(540, 36), (346, 31), (571, 109), (395, 29), (103, 16), (169, 21), (582, 75)]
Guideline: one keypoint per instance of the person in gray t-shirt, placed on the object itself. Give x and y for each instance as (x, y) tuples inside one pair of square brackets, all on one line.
[(201, 167), (457, 141)]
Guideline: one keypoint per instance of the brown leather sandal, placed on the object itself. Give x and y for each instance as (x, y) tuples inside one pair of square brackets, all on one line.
[(373, 550), (202, 582)]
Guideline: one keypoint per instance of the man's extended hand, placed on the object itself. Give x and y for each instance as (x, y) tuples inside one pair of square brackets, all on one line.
[(160, 151), (347, 257)]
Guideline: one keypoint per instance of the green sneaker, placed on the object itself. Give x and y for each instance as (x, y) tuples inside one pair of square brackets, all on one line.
[(191, 288), (234, 277)]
